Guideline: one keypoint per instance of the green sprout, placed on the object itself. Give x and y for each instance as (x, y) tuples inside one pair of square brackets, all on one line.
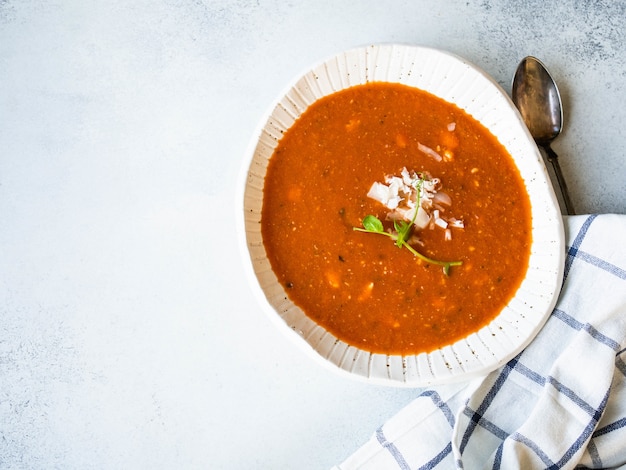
[(403, 229)]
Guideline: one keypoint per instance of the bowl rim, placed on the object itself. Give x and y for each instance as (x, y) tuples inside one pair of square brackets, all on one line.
[(389, 369)]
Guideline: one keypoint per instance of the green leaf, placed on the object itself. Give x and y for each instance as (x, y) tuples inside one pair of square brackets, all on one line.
[(403, 230), (397, 224), (372, 224)]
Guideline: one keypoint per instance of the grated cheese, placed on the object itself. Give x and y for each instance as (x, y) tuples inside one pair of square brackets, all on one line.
[(399, 194)]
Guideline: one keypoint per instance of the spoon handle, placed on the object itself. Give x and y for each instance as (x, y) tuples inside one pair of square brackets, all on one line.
[(552, 158)]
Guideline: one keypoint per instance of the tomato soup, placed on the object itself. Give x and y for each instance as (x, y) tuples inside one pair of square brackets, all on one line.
[(363, 287)]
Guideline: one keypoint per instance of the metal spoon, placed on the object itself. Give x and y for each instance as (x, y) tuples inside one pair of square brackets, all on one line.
[(537, 97)]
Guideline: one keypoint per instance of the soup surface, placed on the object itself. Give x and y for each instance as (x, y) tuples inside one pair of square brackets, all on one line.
[(363, 287)]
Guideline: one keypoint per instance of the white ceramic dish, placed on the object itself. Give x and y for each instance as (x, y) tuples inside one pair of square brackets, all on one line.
[(456, 81)]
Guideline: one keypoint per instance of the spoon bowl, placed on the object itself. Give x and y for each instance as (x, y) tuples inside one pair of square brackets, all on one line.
[(537, 98)]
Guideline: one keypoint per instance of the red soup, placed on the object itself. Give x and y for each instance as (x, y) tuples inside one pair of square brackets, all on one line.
[(353, 165)]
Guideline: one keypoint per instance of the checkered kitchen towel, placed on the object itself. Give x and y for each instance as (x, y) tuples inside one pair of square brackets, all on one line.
[(560, 404)]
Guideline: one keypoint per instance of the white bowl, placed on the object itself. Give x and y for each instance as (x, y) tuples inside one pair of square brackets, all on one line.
[(456, 81)]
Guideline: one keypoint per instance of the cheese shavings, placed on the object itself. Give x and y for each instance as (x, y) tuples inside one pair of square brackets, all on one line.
[(400, 193)]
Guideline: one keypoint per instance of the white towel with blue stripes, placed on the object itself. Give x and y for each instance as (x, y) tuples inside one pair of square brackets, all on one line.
[(560, 404)]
